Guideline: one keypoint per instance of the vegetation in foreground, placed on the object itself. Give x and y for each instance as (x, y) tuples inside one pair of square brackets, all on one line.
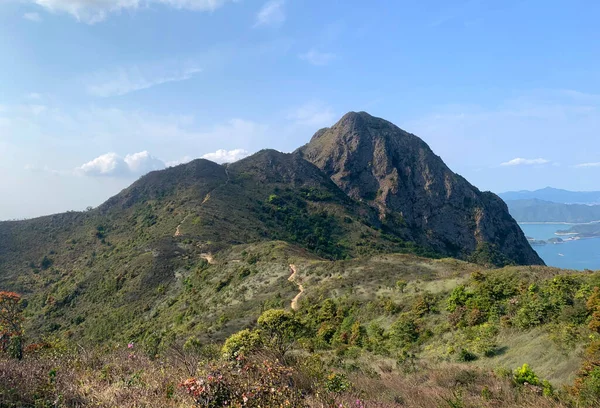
[(459, 336), (127, 378)]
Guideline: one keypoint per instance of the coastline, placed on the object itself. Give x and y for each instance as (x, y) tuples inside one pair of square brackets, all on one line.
[(579, 251)]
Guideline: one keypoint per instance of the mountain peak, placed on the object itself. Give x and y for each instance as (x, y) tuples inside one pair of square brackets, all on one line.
[(361, 120), (354, 117), (350, 121), (374, 161), (359, 130)]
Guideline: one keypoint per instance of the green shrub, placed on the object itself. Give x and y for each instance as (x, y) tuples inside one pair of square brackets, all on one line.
[(547, 388), (401, 285), (458, 298), (524, 375), (240, 343), (588, 388), (532, 313), (424, 304), (337, 383), (465, 356), (376, 338), (404, 331)]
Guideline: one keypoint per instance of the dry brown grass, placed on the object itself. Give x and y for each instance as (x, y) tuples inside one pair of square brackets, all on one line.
[(126, 379), (446, 385), (118, 379)]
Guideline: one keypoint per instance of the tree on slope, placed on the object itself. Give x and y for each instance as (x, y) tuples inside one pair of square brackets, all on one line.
[(11, 320)]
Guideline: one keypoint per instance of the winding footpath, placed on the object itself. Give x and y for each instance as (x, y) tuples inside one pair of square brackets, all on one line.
[(206, 199), (292, 278)]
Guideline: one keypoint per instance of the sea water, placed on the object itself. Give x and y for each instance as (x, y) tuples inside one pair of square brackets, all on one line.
[(579, 254)]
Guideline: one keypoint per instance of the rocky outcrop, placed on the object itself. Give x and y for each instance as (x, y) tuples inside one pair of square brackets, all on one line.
[(374, 161)]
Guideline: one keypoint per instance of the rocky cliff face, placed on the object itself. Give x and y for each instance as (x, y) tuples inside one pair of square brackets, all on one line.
[(374, 161)]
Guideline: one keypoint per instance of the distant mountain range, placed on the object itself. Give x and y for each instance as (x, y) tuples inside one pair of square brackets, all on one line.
[(554, 195), (534, 210)]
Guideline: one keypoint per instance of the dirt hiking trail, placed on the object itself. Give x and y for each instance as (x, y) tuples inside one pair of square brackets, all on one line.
[(292, 278)]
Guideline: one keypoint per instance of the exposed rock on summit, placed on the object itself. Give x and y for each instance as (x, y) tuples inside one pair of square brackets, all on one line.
[(376, 162)]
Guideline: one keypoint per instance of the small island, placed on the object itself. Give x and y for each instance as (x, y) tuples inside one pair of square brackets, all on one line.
[(580, 231), (536, 242)]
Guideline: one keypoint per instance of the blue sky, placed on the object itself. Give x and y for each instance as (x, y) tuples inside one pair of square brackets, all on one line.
[(96, 92)]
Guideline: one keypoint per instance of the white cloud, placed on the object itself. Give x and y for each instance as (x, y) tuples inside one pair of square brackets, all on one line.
[(143, 162), (61, 142), (314, 114), (124, 80), (137, 164), (584, 165), (318, 58), (226, 156), (109, 164), (94, 11), (271, 14), (519, 161), (113, 165), (35, 17)]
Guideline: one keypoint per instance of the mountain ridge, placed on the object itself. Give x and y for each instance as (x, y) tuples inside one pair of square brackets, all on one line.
[(535, 210), (367, 164), (554, 195), (142, 255)]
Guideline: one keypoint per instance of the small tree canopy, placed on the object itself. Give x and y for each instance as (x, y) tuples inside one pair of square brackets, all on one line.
[(280, 328), (245, 341)]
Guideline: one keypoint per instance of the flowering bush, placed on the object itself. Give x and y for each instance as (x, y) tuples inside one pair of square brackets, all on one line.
[(212, 391), (245, 384)]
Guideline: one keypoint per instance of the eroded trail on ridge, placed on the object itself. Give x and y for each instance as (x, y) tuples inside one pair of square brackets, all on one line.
[(206, 199), (292, 278), (206, 256), (178, 230)]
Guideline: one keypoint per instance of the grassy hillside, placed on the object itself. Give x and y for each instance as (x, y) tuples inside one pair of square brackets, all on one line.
[(388, 329), (264, 275), (91, 274)]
